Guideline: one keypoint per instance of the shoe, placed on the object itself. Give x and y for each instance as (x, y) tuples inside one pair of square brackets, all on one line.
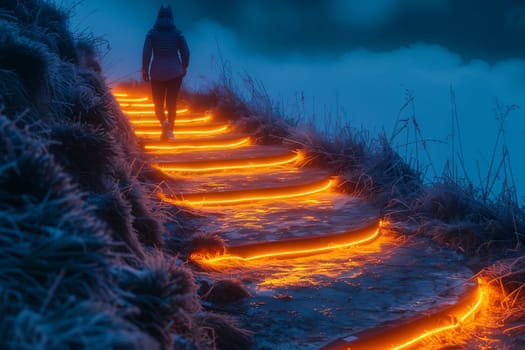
[(164, 131)]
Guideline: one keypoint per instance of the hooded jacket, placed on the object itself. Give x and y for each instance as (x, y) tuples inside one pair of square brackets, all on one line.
[(166, 54)]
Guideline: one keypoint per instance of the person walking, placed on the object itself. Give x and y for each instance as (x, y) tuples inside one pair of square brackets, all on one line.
[(165, 59)]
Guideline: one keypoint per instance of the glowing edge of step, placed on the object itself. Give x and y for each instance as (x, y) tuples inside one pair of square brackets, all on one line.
[(235, 164), (145, 113), (142, 121), (399, 335), (291, 248), (127, 99), (244, 196), (187, 132), (208, 145)]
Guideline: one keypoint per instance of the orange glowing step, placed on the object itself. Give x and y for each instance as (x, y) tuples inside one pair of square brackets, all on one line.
[(184, 131), (227, 163), (291, 248), (327, 213), (148, 112), (191, 127), (137, 105), (129, 100), (199, 118), (236, 180), (160, 148), (249, 195), (141, 104), (251, 152), (399, 335)]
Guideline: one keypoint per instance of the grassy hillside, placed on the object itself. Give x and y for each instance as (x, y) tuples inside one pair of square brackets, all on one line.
[(82, 262), (484, 226), (88, 258), (477, 222)]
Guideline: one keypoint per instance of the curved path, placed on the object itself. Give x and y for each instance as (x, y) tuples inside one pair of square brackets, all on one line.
[(317, 262)]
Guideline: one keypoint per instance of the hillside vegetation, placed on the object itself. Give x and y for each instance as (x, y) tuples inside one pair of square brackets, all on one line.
[(81, 252), (88, 256)]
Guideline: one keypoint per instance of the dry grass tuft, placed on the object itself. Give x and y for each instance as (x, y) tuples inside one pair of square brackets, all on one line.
[(222, 332), (225, 292), (164, 295), (76, 220), (74, 324), (207, 244)]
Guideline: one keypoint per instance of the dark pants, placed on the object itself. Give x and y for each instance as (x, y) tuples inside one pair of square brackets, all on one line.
[(165, 97)]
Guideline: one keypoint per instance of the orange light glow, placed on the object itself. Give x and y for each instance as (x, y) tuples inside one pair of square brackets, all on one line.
[(294, 247), (409, 334), (140, 121), (470, 311), (144, 121), (235, 164), (204, 118), (179, 111), (120, 95), (143, 105), (456, 323), (127, 99), (207, 144), (128, 105), (243, 196), (204, 131)]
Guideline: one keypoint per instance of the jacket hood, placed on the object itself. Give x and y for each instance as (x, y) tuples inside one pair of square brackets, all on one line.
[(165, 18)]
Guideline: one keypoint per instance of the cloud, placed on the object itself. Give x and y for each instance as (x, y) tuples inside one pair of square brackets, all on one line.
[(363, 14), (475, 29)]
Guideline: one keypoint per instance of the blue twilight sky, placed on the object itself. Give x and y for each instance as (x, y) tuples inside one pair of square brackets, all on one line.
[(351, 60)]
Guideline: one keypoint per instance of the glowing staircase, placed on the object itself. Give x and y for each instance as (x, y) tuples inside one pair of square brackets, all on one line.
[(240, 187), (214, 166)]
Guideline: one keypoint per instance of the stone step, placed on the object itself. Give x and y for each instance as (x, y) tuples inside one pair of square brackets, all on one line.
[(251, 152), (327, 213), (173, 148), (256, 193), (238, 180), (184, 131), (187, 118), (182, 128)]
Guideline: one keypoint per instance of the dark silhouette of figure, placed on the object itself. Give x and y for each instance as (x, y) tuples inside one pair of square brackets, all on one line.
[(165, 58)]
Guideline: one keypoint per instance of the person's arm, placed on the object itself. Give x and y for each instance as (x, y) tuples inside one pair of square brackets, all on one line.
[(184, 53), (146, 57)]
